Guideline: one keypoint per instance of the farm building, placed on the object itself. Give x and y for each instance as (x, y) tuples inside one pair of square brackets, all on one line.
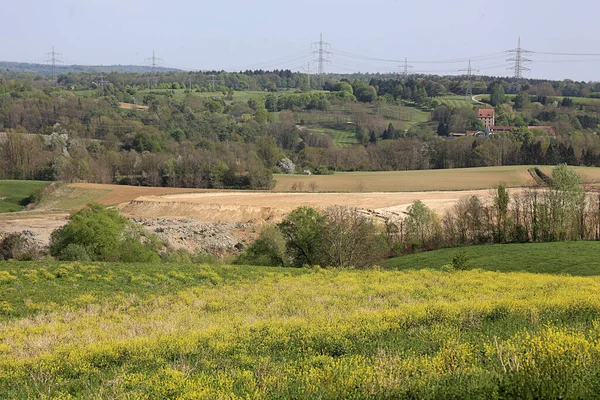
[(487, 115)]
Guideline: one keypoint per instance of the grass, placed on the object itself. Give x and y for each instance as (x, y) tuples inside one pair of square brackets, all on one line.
[(341, 138), (455, 101), (74, 330), (14, 195), (407, 181), (408, 116), (573, 258), (71, 198)]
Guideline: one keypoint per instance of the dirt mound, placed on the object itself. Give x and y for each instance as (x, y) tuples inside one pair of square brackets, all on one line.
[(218, 238), (201, 212)]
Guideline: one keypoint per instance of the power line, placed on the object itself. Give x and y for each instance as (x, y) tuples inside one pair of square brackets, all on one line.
[(54, 57), (307, 70), (568, 54), (321, 53)]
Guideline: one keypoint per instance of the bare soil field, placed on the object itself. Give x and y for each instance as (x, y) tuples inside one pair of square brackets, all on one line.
[(219, 220), (407, 181), (129, 106), (272, 207), (416, 181), (41, 225), (76, 195)]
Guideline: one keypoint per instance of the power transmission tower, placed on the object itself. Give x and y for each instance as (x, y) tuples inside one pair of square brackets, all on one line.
[(321, 52), (520, 62), (469, 91), (307, 69), (154, 63), (53, 58), (103, 82), (406, 68), (213, 81)]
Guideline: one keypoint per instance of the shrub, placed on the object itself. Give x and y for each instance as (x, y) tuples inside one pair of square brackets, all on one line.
[(16, 246), (349, 239), (74, 252), (460, 261), (105, 235), (268, 249)]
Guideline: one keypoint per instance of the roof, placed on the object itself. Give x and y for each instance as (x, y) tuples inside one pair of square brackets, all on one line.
[(485, 113)]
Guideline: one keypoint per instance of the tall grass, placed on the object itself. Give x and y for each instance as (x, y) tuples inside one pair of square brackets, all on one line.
[(184, 331)]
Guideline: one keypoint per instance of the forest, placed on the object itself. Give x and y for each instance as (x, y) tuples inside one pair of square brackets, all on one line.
[(232, 130)]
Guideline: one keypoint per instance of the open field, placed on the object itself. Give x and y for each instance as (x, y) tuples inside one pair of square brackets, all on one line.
[(196, 331), (381, 194), (265, 206), (76, 195), (406, 181), (341, 138), (14, 194), (573, 258), (128, 106)]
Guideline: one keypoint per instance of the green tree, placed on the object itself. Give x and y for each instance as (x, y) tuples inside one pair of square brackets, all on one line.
[(421, 224), (567, 202), (349, 239), (497, 95), (522, 100), (301, 230)]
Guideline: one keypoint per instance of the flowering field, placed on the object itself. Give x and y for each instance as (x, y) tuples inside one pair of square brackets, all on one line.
[(191, 331)]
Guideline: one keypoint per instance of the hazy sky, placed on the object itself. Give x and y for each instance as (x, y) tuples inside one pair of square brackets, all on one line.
[(268, 34)]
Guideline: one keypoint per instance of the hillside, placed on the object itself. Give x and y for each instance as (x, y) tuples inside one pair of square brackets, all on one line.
[(197, 331), (573, 258)]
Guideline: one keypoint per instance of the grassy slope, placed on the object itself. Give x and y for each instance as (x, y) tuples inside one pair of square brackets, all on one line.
[(341, 138), (164, 331), (574, 258), (455, 101), (13, 194)]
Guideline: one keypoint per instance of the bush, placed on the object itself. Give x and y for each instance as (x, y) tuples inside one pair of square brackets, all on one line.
[(105, 235), (17, 246), (74, 252), (268, 249), (349, 239), (460, 261)]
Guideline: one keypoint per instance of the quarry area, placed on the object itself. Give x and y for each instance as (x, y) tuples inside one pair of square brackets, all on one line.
[(215, 222)]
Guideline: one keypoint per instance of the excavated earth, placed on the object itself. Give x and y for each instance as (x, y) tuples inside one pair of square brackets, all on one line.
[(225, 222)]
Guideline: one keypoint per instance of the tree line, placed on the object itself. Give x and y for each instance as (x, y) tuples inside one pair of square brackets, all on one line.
[(347, 237)]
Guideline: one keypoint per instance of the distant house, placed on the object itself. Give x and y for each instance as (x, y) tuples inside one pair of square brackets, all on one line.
[(487, 115)]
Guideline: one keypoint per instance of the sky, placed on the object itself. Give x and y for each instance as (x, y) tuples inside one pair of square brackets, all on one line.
[(367, 36)]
